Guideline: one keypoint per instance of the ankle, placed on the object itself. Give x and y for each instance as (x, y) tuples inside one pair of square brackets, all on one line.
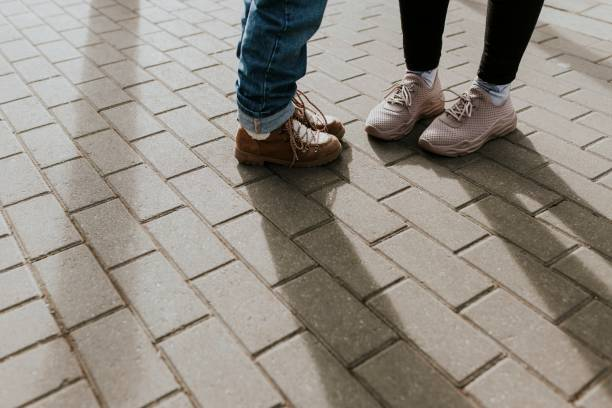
[(498, 93), (429, 77)]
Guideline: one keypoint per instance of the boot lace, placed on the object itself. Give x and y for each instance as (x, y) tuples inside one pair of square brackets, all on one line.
[(308, 113), (302, 137), (401, 93)]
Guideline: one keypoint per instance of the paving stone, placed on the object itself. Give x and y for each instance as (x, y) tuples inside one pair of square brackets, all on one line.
[(514, 188), (174, 76), (78, 286), (191, 58), (347, 203), (575, 187), (109, 152), (112, 232), (158, 294), (249, 308), (589, 269), (552, 102), (591, 99), (108, 356), (155, 97), (127, 73), (11, 88), (35, 69), (435, 218), (49, 145), (26, 114), (304, 370), (36, 372), (335, 91), (450, 341), (11, 254), (558, 126), (593, 325), (42, 225), (523, 275), (597, 121), (59, 51), (526, 232), (335, 67), (79, 70), (193, 247), (274, 256), (220, 77), (79, 118), (404, 378), (8, 141), (547, 349), (333, 313), (77, 184), (284, 205), (599, 396), (102, 54), (190, 126), (144, 192), (350, 259), (121, 39), (368, 174), (207, 43), (132, 122), (16, 286), (18, 50), (81, 37), (207, 100), (75, 395), (146, 55), (177, 401), (29, 324), (439, 181), (4, 228), (55, 91), (603, 148), (103, 93), (211, 196), (307, 180), (513, 156), (169, 156), (211, 363), (497, 388)]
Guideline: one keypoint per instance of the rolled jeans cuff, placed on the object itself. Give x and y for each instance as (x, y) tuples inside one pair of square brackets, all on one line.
[(267, 124)]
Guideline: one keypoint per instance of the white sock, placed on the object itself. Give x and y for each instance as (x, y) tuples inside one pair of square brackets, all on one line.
[(258, 136), (498, 93), (428, 76)]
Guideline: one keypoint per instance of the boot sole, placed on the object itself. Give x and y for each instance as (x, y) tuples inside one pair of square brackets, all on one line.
[(501, 129), (429, 112), (250, 159)]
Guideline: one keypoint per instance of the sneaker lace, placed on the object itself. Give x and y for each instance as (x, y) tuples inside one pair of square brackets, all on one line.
[(302, 137), (308, 113), (463, 107), (401, 93)]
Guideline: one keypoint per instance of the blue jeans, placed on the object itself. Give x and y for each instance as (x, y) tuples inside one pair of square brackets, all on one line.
[(272, 54)]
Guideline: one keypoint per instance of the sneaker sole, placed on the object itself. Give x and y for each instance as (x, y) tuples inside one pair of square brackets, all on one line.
[(254, 160), (428, 113), (462, 149)]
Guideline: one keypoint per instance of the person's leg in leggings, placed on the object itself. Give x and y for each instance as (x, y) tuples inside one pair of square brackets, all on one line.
[(510, 24)]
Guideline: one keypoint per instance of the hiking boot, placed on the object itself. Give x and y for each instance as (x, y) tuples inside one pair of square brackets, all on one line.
[(309, 114), (470, 123), (409, 101), (294, 144)]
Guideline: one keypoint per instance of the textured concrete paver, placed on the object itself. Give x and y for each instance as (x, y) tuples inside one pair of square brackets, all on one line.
[(140, 264)]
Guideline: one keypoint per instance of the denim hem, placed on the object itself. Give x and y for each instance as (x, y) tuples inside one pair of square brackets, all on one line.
[(267, 124)]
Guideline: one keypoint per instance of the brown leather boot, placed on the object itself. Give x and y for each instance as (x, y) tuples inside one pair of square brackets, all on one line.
[(309, 114), (294, 144)]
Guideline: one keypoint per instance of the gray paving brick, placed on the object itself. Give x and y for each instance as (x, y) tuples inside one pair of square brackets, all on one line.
[(189, 242), (599, 396), (558, 126), (334, 67), (582, 224), (35, 69), (334, 90), (75, 395), (575, 187), (127, 73), (450, 341), (591, 99), (11, 255), (108, 356), (191, 58), (439, 181), (102, 54), (346, 203), (190, 126), (169, 156), (207, 100), (158, 294), (144, 192), (55, 91), (603, 148), (211, 196), (155, 97), (79, 70), (307, 180), (26, 114), (78, 286), (435, 218), (513, 156), (221, 77), (210, 362), (146, 55), (552, 102), (79, 118), (112, 232), (593, 325), (16, 286), (103, 93), (514, 188), (11, 88), (36, 372), (42, 225), (8, 142), (589, 269), (266, 249), (132, 121), (109, 152), (49, 145), (449, 277), (496, 388), (547, 349), (527, 232), (250, 309), (177, 401), (523, 275), (29, 324), (404, 378), (18, 50), (174, 76), (329, 310), (597, 121)]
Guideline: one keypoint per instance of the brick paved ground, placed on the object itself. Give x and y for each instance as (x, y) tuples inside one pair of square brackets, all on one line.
[(141, 266)]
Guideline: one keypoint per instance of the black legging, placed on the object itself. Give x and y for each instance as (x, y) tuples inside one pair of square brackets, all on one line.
[(510, 24)]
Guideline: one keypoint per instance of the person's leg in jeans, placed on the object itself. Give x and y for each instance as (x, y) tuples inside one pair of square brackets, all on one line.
[(419, 94), (485, 111), (272, 58)]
